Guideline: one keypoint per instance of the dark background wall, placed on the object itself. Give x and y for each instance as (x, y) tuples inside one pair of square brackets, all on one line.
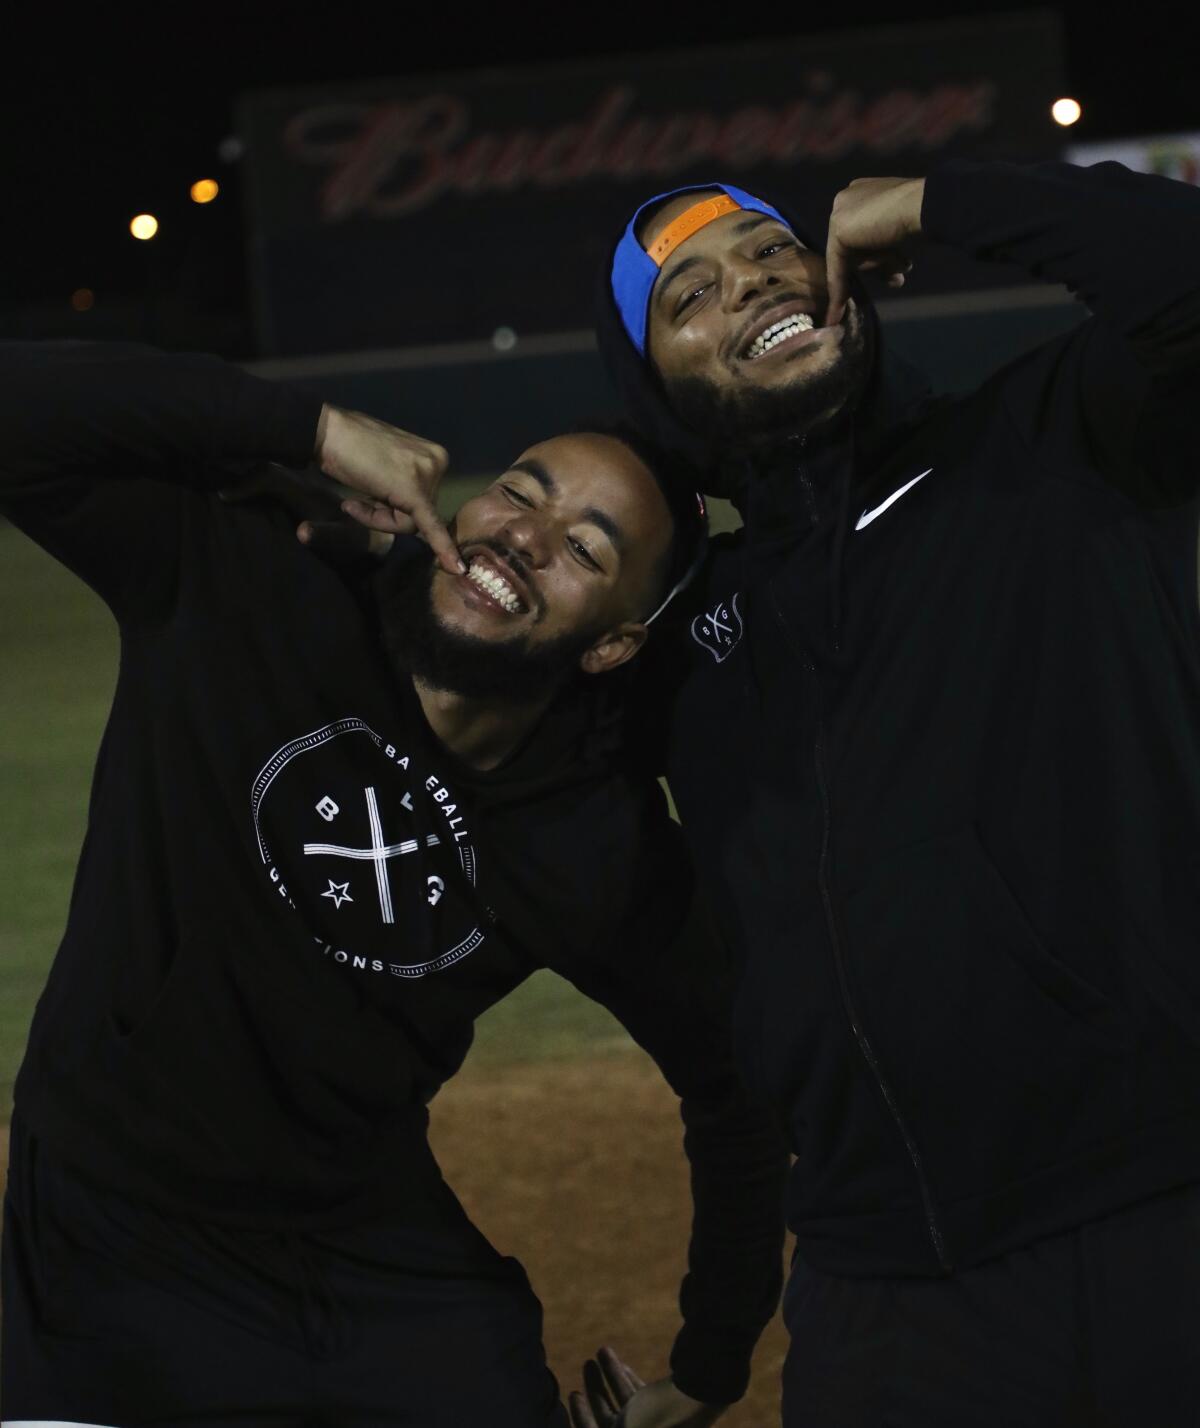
[(485, 406), (316, 263)]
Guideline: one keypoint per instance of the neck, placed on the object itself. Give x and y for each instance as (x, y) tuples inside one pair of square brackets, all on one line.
[(480, 732)]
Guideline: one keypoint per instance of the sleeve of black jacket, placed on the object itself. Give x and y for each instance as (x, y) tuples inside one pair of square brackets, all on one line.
[(1116, 392), (98, 443), (669, 980)]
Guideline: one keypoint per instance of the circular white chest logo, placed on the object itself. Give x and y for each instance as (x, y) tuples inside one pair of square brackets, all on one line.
[(370, 849)]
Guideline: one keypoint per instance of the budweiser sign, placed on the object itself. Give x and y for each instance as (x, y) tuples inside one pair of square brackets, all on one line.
[(514, 179), (391, 159)]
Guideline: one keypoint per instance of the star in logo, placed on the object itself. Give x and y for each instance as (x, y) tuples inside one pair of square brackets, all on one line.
[(339, 892)]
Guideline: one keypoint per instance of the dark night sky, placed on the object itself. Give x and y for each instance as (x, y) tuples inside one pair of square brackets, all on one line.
[(118, 112)]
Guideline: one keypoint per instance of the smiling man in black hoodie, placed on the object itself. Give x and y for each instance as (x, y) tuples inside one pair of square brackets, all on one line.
[(931, 721), (329, 826)]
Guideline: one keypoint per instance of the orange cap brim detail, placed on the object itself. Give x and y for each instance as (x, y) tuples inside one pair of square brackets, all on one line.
[(690, 221)]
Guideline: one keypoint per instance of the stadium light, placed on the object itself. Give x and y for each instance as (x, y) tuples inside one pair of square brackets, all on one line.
[(1066, 111), (144, 226), (205, 190), (83, 299)]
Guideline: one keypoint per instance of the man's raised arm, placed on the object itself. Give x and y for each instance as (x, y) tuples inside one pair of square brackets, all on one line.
[(1116, 392), (96, 441)]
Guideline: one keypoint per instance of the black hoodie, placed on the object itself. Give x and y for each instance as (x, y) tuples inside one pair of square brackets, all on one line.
[(292, 902), (932, 723)]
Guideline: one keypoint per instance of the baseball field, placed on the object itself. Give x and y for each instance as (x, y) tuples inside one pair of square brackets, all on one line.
[(559, 1135)]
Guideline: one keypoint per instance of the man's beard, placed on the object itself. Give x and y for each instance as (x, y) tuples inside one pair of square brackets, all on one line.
[(744, 418), (513, 670)]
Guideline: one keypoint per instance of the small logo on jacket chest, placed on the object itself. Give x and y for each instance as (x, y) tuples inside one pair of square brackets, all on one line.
[(720, 628), (373, 853)]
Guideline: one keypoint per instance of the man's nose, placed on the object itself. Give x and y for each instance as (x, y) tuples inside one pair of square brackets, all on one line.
[(747, 280), (528, 535)]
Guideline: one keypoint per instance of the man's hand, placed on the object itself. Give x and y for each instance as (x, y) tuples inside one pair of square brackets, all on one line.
[(871, 228), (315, 504), (395, 473), (614, 1397)]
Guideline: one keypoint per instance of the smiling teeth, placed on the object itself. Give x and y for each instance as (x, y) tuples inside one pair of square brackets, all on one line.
[(780, 332), (495, 585)]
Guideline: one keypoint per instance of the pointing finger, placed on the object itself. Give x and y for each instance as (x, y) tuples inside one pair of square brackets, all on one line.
[(432, 529), (835, 277), (599, 1397), (580, 1413), (622, 1380)]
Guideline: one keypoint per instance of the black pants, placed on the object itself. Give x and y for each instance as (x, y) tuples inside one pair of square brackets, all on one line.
[(1098, 1328), (114, 1315)]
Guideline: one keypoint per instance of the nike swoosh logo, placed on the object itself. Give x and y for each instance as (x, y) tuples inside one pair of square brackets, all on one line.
[(868, 516)]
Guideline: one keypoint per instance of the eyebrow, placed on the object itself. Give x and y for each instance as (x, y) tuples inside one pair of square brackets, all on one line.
[(598, 518), (538, 472), (747, 225), (609, 527)]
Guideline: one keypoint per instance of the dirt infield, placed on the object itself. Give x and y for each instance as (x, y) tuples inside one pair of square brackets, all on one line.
[(588, 1188), (576, 1167)]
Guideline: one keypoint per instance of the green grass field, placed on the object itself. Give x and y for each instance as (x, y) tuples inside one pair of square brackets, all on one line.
[(58, 654)]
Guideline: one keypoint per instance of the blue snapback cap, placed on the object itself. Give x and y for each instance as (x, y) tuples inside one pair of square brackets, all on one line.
[(634, 271)]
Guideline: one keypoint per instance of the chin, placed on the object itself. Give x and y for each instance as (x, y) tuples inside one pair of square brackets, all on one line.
[(781, 404), (449, 613), (791, 379)]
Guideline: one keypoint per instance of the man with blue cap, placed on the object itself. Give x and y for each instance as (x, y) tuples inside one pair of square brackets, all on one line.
[(930, 720)]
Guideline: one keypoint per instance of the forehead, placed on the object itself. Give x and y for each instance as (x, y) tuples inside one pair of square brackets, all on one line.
[(592, 469), (592, 463)]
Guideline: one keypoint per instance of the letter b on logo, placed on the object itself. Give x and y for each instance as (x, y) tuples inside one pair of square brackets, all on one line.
[(328, 809)]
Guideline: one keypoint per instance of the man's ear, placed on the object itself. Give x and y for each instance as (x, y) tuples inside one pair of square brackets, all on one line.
[(614, 648)]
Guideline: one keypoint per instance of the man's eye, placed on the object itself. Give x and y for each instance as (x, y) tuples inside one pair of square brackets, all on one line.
[(776, 247), (517, 497), (582, 553), (690, 297)]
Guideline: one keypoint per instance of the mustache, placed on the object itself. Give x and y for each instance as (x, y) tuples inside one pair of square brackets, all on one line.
[(519, 564)]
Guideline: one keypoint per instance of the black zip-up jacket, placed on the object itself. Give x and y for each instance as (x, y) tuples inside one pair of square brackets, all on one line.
[(292, 902), (933, 721)]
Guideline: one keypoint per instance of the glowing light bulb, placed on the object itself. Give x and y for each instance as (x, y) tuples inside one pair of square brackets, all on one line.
[(144, 226), (1066, 111), (205, 190)]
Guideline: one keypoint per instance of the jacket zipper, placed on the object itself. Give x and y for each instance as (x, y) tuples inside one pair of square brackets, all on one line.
[(824, 884)]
